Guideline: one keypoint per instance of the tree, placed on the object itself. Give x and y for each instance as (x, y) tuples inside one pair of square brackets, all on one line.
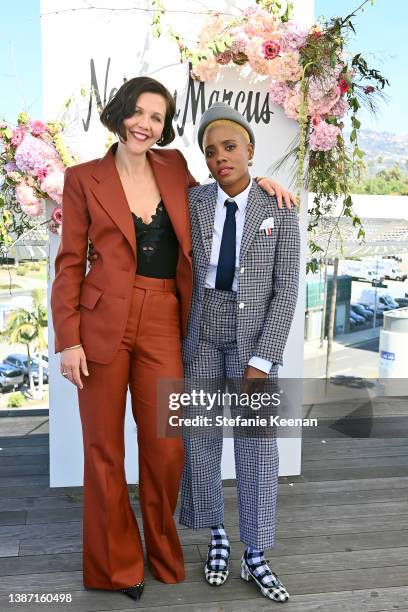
[(27, 326)]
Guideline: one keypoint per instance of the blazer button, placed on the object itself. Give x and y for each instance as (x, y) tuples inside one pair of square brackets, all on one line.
[(241, 305), (242, 270)]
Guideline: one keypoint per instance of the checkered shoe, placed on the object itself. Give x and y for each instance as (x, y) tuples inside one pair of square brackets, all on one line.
[(274, 590), (213, 573)]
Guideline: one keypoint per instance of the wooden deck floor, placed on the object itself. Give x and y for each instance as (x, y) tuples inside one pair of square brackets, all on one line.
[(342, 533)]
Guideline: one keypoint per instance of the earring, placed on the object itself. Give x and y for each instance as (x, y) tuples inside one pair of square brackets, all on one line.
[(250, 163), (210, 175)]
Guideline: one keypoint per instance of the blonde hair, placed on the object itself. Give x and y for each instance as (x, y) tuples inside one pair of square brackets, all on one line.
[(228, 122)]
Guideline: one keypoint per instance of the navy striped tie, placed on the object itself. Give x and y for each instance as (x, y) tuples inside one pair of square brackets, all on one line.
[(226, 259)]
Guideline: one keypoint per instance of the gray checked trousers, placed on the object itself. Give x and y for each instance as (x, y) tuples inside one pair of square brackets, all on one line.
[(256, 457)]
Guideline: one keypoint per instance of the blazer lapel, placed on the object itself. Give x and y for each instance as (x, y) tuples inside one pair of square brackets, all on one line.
[(170, 179), (206, 213), (254, 215), (111, 196)]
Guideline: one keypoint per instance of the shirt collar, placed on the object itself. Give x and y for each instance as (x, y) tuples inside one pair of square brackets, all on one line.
[(241, 199)]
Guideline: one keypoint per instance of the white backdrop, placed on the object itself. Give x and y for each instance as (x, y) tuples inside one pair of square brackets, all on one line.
[(98, 48)]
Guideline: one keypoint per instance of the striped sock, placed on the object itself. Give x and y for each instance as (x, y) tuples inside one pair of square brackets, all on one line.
[(219, 555), (259, 566)]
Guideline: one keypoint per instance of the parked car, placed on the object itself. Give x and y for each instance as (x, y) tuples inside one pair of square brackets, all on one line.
[(20, 361), (43, 356), (357, 318), (390, 300), (384, 301), (362, 310), (10, 377), (395, 257)]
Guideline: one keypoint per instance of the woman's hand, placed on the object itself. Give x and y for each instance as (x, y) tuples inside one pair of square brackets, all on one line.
[(73, 362), (273, 188)]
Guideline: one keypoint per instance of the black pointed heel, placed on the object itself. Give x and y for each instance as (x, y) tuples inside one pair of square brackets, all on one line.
[(135, 591)]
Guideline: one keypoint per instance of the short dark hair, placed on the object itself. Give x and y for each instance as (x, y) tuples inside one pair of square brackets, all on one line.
[(123, 104)]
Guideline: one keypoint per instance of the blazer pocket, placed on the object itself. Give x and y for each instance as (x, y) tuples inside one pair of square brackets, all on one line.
[(89, 296)]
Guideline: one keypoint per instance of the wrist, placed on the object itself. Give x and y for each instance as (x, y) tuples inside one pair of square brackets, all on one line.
[(68, 348)]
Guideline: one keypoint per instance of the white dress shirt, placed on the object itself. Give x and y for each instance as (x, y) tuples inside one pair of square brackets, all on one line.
[(219, 219)]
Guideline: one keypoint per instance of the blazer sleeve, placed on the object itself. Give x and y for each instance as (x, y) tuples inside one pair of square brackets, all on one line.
[(70, 263), (191, 181), (274, 335)]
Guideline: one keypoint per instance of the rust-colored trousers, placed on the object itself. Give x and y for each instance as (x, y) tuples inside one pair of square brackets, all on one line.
[(150, 350)]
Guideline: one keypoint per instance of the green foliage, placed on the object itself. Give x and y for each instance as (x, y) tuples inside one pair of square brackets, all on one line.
[(15, 400), (392, 181)]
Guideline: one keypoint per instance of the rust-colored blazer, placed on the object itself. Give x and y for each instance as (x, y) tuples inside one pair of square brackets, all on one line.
[(92, 308)]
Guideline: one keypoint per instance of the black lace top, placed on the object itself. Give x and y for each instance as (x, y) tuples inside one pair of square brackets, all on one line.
[(157, 245)]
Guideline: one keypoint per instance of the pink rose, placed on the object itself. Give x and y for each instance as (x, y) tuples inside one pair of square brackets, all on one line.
[(344, 86), (17, 137), (42, 173), (29, 202), (37, 127), (270, 49), (57, 215)]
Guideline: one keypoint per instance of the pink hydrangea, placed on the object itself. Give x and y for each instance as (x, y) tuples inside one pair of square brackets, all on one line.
[(292, 102), (260, 23), (10, 167), (37, 127), (293, 37), (33, 154), (324, 105), (251, 11), (340, 108), (324, 136), (29, 202), (18, 136), (322, 86), (238, 45), (289, 67), (278, 91), (53, 185)]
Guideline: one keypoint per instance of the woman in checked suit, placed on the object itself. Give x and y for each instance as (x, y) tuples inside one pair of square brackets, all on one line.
[(120, 325)]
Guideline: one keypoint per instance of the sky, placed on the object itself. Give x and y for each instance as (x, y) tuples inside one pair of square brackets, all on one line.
[(381, 38)]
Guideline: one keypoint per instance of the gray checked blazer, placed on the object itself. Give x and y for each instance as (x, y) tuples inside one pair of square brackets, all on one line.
[(268, 275)]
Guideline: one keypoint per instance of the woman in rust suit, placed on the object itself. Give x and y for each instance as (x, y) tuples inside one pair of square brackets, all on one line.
[(120, 325)]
